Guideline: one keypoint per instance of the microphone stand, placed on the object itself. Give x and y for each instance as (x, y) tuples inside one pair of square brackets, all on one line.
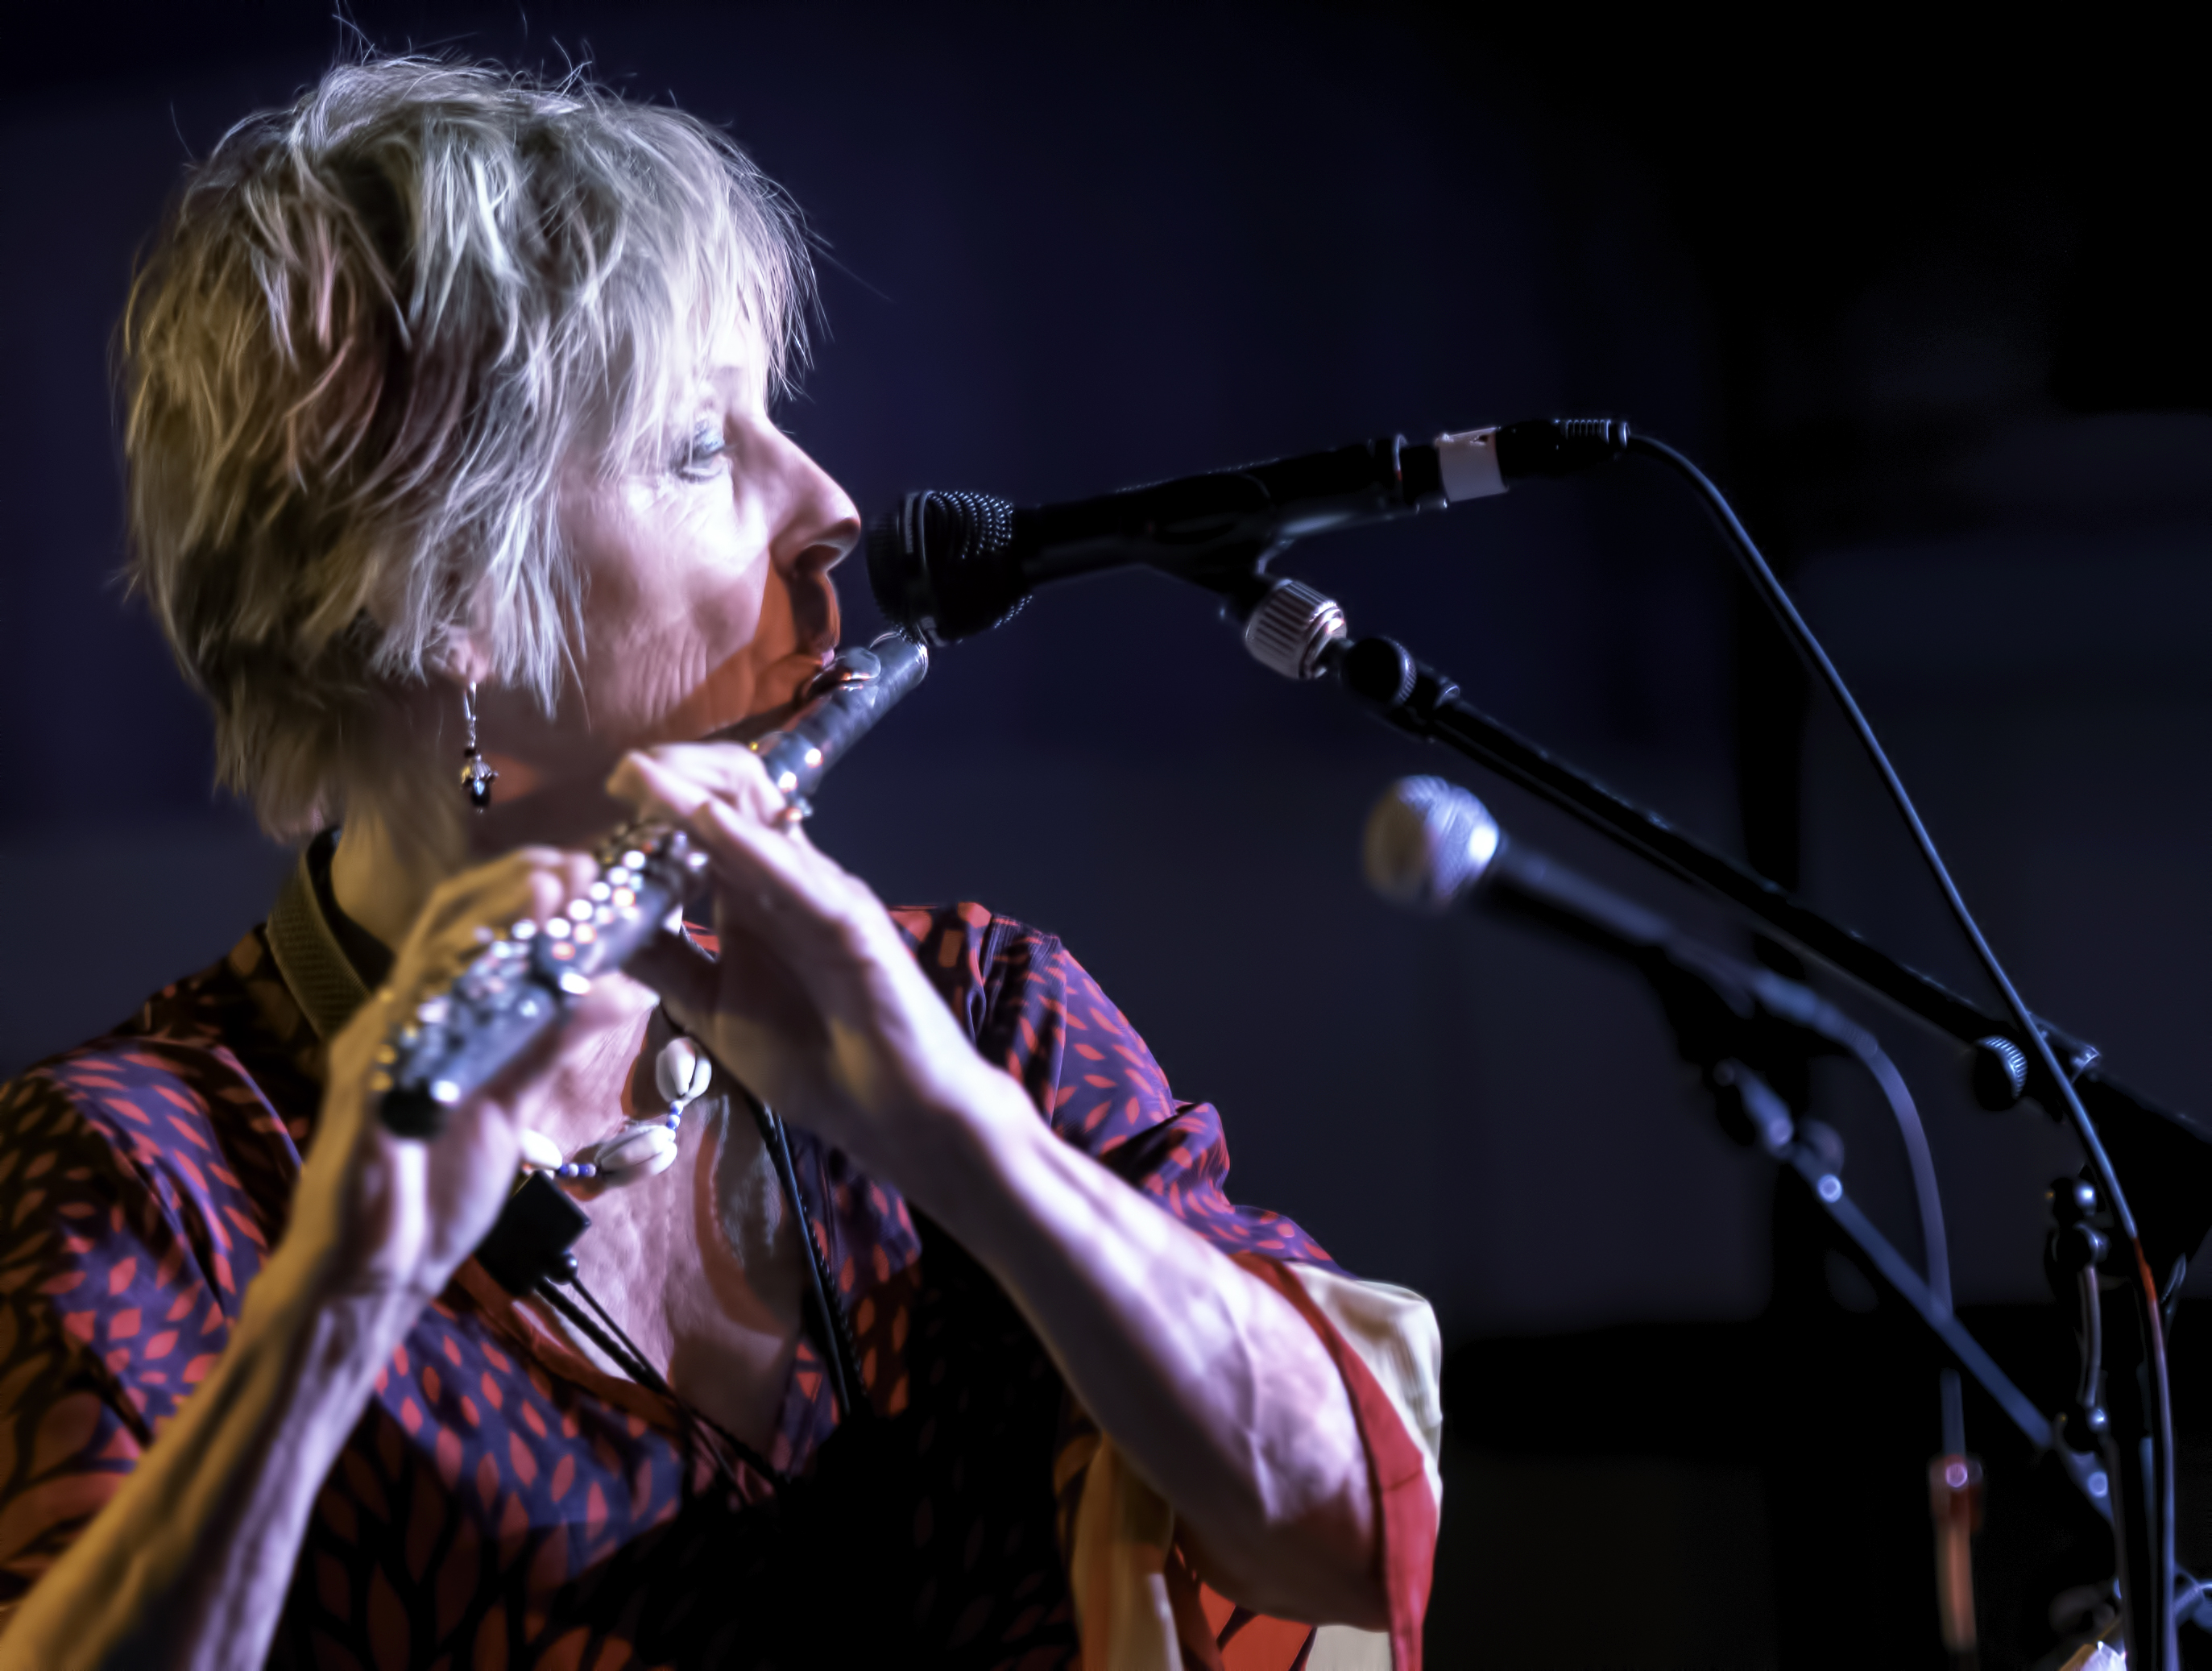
[(2163, 1210), (2166, 1156), (1746, 1029)]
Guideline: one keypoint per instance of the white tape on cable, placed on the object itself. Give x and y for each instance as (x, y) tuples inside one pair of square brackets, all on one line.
[(1470, 463), (2096, 1657)]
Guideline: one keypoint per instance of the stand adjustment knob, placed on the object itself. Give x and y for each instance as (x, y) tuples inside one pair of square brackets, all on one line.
[(1291, 627), (2000, 1073)]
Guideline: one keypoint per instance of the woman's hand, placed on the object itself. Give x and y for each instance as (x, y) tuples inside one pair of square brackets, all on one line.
[(816, 1002), (189, 1564), (387, 1216)]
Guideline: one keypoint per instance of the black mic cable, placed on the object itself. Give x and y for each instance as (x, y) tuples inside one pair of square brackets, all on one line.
[(2153, 1568)]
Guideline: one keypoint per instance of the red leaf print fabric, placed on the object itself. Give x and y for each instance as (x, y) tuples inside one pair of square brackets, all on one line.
[(502, 1504)]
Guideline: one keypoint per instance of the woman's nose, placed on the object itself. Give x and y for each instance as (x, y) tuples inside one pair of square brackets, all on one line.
[(816, 523)]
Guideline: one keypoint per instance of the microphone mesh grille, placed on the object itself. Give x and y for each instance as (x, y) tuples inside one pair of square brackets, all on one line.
[(1428, 844), (939, 565), (957, 528)]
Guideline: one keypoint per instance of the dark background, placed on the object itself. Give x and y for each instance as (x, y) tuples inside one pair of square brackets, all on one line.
[(1930, 306)]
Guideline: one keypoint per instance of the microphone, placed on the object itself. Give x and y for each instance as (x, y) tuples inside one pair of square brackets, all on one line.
[(1433, 847), (946, 566)]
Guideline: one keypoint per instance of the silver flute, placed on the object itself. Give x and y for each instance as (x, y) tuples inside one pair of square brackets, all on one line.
[(528, 978)]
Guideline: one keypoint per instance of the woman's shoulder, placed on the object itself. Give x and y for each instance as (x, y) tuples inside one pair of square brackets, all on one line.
[(986, 965), (980, 960), (1036, 1011), (959, 931), (191, 1110), (143, 1176)]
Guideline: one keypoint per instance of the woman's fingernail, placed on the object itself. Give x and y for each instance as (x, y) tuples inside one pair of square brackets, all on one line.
[(539, 1151), (649, 783), (624, 778)]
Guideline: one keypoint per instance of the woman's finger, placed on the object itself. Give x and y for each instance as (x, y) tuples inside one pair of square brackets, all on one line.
[(534, 881), (685, 977), (744, 1000), (830, 937), (731, 833), (772, 885), (677, 776)]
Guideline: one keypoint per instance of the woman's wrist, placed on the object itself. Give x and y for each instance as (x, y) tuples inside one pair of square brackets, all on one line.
[(349, 1329), (965, 1151), (188, 1564)]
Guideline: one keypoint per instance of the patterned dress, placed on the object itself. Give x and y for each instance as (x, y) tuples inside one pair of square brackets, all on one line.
[(503, 1502)]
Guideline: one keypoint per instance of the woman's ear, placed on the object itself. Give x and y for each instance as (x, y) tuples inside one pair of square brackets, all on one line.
[(461, 658)]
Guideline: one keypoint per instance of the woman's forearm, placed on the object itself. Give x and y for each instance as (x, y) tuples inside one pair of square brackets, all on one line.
[(188, 1563), (1206, 1377)]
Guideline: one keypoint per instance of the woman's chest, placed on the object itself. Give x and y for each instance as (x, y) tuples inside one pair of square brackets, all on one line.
[(491, 1512), (700, 1269)]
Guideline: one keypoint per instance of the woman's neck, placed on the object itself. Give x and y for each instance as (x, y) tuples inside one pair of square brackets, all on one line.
[(382, 880), (392, 855)]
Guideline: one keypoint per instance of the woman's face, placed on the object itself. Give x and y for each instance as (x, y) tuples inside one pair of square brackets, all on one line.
[(707, 597)]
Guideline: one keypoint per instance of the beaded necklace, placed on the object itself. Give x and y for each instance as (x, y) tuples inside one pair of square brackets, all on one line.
[(643, 1148), (682, 1072)]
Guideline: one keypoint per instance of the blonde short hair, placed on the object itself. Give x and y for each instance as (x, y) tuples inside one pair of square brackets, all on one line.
[(371, 330)]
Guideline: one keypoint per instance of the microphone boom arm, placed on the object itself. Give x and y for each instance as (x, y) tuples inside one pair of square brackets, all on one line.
[(1737, 1023), (2167, 1154)]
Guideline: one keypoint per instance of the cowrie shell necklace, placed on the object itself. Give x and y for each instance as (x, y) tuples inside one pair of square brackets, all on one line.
[(643, 1148)]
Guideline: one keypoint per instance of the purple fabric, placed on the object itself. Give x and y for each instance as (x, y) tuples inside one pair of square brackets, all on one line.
[(502, 1504)]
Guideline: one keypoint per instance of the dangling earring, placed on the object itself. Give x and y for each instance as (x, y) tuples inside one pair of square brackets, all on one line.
[(477, 777)]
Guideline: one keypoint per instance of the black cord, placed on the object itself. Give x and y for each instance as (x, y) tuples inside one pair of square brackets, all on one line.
[(643, 1373), (840, 1353), (617, 1346), (1780, 605), (1866, 1050), (623, 1353), (1784, 610)]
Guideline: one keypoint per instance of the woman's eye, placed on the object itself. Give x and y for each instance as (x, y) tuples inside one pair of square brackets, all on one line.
[(702, 456)]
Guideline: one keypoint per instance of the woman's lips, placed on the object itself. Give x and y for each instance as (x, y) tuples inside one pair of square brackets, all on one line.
[(794, 673)]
